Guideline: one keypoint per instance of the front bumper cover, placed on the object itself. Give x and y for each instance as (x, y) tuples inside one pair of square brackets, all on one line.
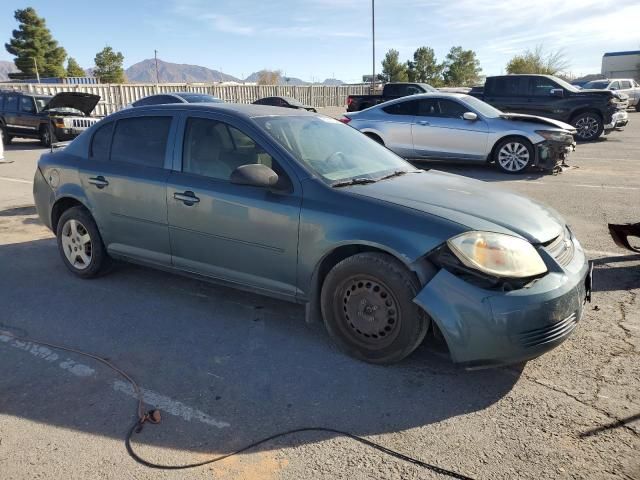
[(618, 121), (485, 328), (550, 154)]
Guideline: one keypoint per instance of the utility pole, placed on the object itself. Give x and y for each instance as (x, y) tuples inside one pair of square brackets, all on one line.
[(35, 64), (373, 45), (155, 56)]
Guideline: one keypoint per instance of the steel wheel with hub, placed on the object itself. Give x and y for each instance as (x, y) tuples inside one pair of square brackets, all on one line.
[(513, 155), (368, 309), (80, 243), (589, 126)]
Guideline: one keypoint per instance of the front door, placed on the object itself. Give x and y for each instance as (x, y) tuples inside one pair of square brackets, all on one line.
[(125, 180), (240, 234), (440, 131)]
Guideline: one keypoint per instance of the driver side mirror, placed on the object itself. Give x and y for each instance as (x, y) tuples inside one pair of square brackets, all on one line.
[(556, 92), (254, 175), (472, 117)]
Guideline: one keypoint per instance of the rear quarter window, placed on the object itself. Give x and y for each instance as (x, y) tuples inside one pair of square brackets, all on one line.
[(141, 140)]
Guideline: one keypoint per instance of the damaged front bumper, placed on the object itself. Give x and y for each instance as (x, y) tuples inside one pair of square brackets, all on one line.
[(485, 328), (618, 121), (551, 154)]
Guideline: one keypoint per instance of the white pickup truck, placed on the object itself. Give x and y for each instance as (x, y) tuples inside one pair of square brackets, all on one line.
[(624, 85)]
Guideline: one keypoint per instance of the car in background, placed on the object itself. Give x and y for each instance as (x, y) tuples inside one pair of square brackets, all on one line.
[(451, 126), (628, 86), (300, 207), (591, 112), (286, 102), (176, 97), (50, 119), (390, 91)]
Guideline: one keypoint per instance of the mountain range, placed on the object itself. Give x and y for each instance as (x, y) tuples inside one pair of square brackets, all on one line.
[(145, 72)]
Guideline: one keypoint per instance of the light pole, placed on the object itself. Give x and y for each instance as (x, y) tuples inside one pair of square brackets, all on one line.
[(373, 45), (155, 56), (35, 64)]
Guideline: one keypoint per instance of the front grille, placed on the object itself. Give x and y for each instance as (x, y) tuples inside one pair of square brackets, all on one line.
[(562, 248), (83, 122), (539, 336)]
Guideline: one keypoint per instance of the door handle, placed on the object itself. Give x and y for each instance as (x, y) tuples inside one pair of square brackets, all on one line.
[(423, 122), (189, 198), (98, 181)]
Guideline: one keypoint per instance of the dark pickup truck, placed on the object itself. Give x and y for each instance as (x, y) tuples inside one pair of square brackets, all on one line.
[(591, 112), (390, 91)]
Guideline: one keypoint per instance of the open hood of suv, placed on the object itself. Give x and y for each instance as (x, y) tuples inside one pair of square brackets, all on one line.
[(84, 102)]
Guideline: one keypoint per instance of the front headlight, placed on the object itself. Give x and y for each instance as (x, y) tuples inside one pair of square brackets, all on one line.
[(555, 136), (497, 254)]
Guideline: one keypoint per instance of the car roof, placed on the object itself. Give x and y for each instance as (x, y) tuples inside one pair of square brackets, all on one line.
[(247, 110)]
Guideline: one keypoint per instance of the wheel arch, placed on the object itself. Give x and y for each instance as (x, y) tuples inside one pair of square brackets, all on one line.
[(581, 110), (512, 135), (61, 205)]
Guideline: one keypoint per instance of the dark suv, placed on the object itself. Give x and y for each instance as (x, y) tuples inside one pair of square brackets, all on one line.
[(591, 112), (49, 119)]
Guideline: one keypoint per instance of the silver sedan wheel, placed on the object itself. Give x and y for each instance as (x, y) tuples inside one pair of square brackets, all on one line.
[(76, 243), (587, 127), (513, 156)]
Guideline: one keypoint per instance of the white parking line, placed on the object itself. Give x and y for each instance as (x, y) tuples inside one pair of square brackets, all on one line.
[(157, 400), (16, 180)]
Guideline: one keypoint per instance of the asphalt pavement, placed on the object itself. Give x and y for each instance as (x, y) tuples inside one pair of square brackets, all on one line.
[(227, 367)]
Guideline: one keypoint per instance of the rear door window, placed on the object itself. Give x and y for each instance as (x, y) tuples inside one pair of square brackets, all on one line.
[(509, 86), (101, 143), (402, 108), (27, 105), (11, 102), (141, 141)]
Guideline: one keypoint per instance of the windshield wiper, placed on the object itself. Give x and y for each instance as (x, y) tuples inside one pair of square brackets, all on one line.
[(354, 181), (397, 173)]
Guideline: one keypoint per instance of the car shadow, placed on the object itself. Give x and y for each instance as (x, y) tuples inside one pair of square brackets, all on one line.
[(225, 367), (24, 145), (609, 275)]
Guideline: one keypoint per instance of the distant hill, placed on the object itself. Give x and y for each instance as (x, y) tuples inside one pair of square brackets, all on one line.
[(253, 78), (6, 68), (332, 81), (145, 72)]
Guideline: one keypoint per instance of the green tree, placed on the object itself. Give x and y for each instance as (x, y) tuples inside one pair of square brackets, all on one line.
[(74, 69), (536, 61), (109, 66), (392, 69), (33, 43), (424, 67), (461, 68)]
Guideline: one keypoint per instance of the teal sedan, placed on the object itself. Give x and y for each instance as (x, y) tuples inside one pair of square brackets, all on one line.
[(298, 206)]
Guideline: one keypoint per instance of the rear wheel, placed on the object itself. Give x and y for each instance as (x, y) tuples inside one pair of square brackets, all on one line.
[(513, 155), (368, 309), (6, 138), (80, 244), (589, 126)]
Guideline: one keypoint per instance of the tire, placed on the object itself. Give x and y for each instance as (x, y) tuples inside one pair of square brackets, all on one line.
[(77, 230), (589, 126), (638, 106), (513, 155), (375, 138), (368, 310), (47, 137), (6, 138)]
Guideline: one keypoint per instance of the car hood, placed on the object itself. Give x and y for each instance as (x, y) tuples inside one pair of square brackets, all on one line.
[(536, 119), (84, 102), (475, 204), (606, 93)]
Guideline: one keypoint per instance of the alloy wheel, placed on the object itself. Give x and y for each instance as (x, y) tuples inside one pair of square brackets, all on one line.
[(587, 127), (513, 156), (76, 244)]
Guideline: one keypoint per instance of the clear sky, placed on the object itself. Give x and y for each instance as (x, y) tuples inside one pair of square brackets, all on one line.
[(316, 39)]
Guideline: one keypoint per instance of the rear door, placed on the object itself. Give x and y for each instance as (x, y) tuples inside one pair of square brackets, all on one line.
[(440, 131), (241, 234), (508, 93), (29, 119), (11, 113), (125, 180)]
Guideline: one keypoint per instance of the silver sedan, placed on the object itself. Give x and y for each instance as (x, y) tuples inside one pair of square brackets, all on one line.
[(460, 127)]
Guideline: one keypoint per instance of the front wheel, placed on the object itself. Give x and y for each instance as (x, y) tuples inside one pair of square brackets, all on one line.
[(80, 244), (368, 309), (46, 136), (589, 126), (514, 155)]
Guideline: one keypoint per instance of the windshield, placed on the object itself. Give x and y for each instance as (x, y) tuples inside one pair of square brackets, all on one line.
[(597, 84), (428, 88), (333, 150), (565, 85), (481, 107), (200, 98)]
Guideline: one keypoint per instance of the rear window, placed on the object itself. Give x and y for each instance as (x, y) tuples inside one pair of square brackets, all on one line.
[(101, 142), (141, 141)]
